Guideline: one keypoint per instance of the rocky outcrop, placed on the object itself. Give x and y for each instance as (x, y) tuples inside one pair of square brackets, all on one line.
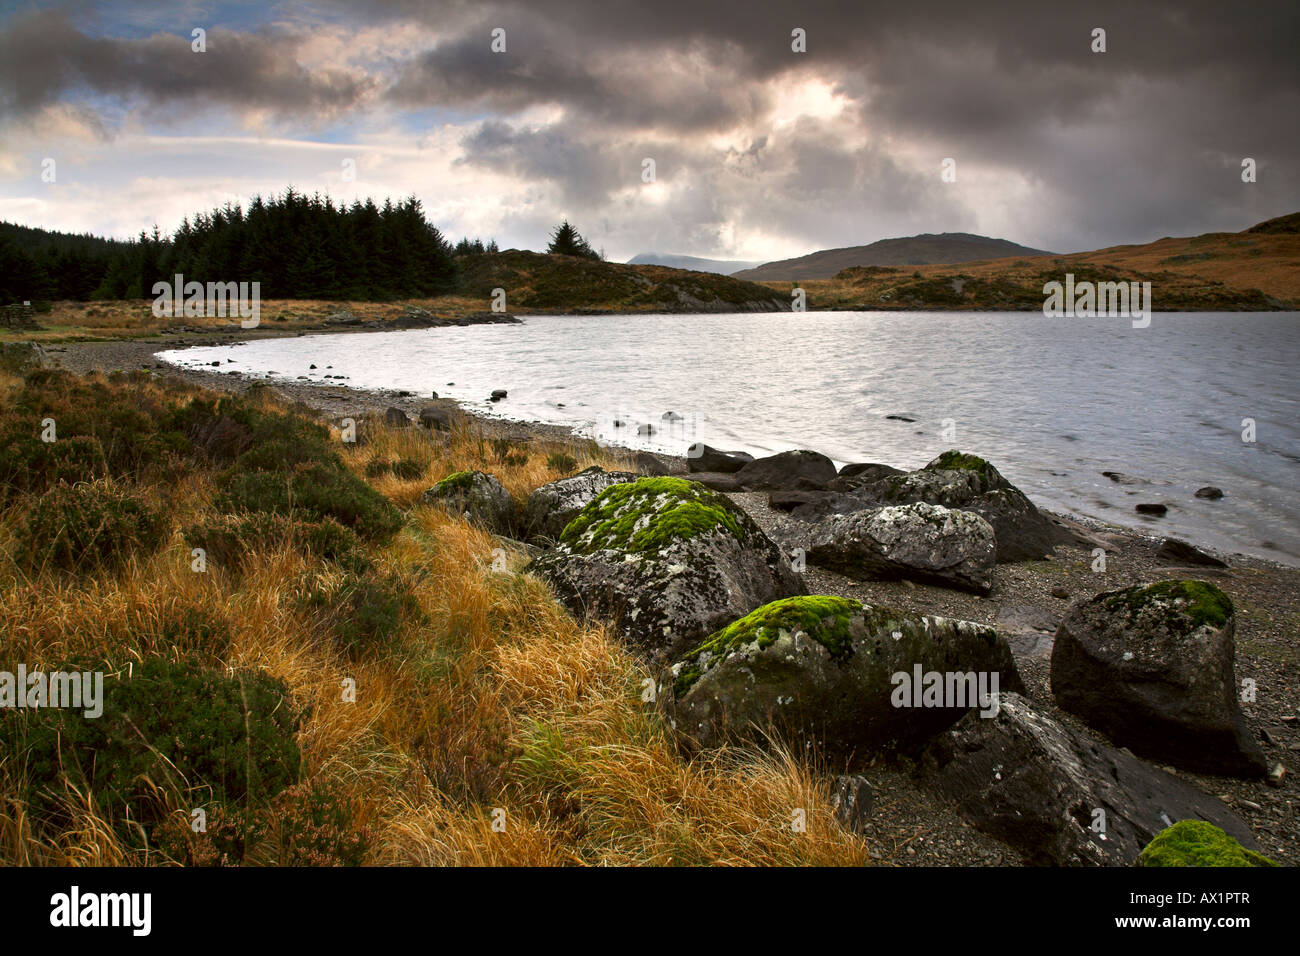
[(835, 676), (1057, 797), (554, 505), (1154, 668), (477, 497), (970, 483), (788, 469), (667, 561), (918, 541)]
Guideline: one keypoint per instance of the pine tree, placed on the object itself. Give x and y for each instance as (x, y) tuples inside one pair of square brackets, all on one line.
[(566, 241)]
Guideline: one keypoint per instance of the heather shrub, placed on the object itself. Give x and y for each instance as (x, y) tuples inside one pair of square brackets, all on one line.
[(89, 526), (201, 734)]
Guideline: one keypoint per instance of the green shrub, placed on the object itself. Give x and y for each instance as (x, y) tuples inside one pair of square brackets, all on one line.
[(315, 491), (201, 734), (559, 461), (305, 825), (228, 540), (365, 610), (405, 469), (81, 527)]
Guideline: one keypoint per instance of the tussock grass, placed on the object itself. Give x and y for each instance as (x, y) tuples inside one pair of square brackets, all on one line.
[(490, 728)]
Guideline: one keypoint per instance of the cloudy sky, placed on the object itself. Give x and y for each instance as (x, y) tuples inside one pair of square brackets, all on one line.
[(760, 152)]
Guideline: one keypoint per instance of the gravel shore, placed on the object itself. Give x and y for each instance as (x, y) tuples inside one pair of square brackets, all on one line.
[(908, 825)]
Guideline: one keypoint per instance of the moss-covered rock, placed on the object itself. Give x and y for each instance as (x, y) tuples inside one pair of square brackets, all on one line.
[(477, 497), (967, 482), (668, 560), (551, 507), (1154, 667), (1197, 843), (645, 516), (825, 671)]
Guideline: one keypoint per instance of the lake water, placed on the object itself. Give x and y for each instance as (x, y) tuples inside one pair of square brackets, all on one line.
[(1051, 402)]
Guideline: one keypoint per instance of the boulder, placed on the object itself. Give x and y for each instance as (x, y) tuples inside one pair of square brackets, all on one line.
[(921, 542), (395, 417), (667, 561), (789, 500), (1154, 668), (1180, 552), (1056, 796), (868, 471), (1151, 508), (716, 480), (851, 800), (701, 457), (784, 469), (437, 418), (1210, 493), (831, 674), (648, 463), (477, 497), (970, 483), (553, 506)]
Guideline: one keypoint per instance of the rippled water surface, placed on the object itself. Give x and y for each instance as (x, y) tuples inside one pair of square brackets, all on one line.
[(1052, 402)]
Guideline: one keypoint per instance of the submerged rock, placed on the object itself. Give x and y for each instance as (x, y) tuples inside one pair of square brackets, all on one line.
[(830, 673), (477, 497), (1154, 668), (667, 561), (1058, 797), (920, 541)]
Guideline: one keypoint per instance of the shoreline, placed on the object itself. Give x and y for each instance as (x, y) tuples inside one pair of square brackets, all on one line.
[(340, 399), (912, 825)]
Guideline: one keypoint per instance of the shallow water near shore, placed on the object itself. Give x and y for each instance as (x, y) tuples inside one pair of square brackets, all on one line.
[(1052, 403)]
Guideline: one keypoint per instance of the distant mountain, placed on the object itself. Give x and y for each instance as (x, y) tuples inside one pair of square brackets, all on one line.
[(693, 263), (923, 250)]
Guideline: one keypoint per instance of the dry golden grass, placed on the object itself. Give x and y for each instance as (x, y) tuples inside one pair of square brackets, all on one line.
[(497, 730)]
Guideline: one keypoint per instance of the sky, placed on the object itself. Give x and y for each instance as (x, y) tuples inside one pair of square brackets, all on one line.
[(111, 120)]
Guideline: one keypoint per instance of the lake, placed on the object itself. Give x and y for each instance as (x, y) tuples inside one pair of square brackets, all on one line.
[(1052, 403)]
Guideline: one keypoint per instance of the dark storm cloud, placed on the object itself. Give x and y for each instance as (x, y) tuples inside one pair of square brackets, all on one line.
[(1141, 141), (44, 56)]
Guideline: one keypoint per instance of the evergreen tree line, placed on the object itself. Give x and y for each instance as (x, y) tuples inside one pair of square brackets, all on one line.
[(296, 246)]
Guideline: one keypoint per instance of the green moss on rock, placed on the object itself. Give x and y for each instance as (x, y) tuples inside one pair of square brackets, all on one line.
[(645, 516), (456, 482), (824, 619), (1197, 843), (954, 460), (1199, 602)]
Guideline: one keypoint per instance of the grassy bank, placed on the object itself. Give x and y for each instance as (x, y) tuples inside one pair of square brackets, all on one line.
[(488, 726)]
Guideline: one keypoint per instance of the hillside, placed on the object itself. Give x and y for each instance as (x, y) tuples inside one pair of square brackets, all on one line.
[(564, 283), (1257, 269), (926, 249), (724, 267)]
